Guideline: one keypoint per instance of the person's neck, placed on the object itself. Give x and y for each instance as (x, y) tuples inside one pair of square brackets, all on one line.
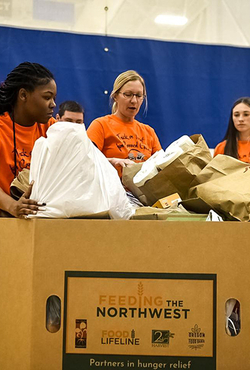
[(244, 136), (124, 118), (21, 119)]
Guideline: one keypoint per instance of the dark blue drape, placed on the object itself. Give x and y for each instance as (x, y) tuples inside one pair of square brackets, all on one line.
[(191, 87)]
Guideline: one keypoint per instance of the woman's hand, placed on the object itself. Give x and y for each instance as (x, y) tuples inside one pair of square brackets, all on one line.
[(116, 162), (25, 206)]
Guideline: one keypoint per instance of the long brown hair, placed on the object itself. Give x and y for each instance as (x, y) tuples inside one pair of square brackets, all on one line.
[(232, 135)]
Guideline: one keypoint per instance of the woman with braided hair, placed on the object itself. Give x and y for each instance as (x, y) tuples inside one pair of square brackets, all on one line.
[(27, 100)]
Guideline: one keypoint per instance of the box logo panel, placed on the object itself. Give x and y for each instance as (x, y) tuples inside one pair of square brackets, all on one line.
[(129, 317)]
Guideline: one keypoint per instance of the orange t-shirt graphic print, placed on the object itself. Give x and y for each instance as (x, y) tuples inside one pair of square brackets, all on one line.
[(118, 139), (133, 145)]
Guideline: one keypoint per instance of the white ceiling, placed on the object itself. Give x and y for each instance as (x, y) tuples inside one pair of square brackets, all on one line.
[(209, 21)]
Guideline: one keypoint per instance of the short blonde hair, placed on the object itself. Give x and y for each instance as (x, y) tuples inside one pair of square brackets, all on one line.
[(121, 80)]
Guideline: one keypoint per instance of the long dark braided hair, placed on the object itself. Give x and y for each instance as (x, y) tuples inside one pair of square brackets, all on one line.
[(26, 75)]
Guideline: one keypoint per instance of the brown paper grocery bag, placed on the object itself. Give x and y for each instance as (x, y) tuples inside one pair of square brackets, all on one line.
[(20, 184), (219, 166), (228, 195), (128, 174), (177, 176), (176, 212)]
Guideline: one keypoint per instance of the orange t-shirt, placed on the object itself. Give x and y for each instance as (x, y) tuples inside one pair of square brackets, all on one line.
[(243, 150), (118, 139), (25, 139)]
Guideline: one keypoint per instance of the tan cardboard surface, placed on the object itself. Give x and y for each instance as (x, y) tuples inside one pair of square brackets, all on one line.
[(16, 275), (35, 254)]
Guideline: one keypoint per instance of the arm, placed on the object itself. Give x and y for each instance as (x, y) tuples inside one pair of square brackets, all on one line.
[(20, 208), (120, 162), (96, 133), (219, 149), (156, 142)]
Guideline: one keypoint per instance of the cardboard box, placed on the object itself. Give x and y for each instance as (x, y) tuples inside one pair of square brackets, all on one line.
[(167, 201), (134, 294)]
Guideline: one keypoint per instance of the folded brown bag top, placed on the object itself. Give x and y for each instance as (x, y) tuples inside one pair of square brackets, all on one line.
[(20, 184)]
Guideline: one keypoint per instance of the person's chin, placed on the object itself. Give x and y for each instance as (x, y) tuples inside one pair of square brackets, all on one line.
[(132, 113), (44, 120)]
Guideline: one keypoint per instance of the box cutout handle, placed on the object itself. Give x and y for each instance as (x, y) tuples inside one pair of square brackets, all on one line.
[(53, 314), (233, 320)]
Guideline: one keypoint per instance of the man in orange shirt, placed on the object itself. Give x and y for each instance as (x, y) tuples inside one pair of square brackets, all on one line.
[(27, 100)]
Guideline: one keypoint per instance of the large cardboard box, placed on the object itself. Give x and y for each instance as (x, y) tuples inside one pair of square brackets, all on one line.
[(134, 294)]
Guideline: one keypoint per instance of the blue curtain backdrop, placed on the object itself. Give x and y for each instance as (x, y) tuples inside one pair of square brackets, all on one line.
[(190, 87)]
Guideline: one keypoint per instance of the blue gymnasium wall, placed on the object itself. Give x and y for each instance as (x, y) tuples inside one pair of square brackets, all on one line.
[(191, 87)]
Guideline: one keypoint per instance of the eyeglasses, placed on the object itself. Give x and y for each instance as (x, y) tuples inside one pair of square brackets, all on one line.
[(129, 95)]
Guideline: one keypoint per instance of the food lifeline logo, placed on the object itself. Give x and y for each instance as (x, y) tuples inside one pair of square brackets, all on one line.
[(140, 306), (119, 337)]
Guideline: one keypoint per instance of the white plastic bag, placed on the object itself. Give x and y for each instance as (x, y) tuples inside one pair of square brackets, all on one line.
[(73, 177), (161, 159)]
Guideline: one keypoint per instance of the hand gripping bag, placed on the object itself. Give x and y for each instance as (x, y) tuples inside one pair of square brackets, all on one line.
[(73, 177)]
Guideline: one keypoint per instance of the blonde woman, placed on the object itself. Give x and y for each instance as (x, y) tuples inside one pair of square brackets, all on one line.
[(119, 136)]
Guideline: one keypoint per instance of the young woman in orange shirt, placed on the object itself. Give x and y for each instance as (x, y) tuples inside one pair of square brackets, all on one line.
[(237, 139), (27, 100)]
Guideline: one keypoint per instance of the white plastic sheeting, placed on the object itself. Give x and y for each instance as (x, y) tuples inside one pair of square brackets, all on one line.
[(209, 21)]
